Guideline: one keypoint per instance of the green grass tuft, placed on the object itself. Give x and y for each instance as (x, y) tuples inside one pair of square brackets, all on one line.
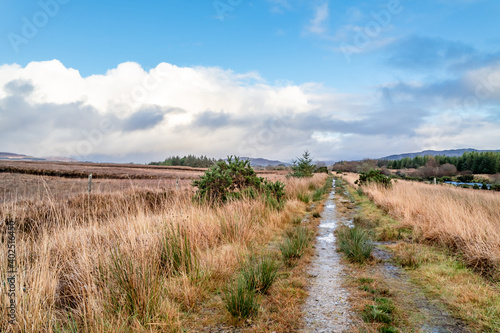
[(295, 244), (354, 243), (239, 300)]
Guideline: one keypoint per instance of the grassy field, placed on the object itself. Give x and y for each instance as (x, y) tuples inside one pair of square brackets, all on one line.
[(38, 180), (447, 239), (462, 219), (139, 255)]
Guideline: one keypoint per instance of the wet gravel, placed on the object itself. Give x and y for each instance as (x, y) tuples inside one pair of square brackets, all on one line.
[(435, 318), (327, 308)]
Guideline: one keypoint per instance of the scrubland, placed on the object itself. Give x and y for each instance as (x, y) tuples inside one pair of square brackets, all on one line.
[(146, 259), (462, 219), (447, 239)]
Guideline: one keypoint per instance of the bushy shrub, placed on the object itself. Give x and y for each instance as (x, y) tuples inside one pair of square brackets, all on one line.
[(373, 176), (466, 178), (321, 169), (235, 179)]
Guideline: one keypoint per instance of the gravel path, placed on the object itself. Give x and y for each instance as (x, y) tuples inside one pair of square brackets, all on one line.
[(327, 308)]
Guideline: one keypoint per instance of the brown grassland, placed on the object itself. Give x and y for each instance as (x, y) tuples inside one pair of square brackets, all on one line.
[(141, 255), (462, 219), (446, 238)]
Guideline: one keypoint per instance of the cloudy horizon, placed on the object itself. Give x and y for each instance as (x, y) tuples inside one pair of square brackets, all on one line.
[(345, 82)]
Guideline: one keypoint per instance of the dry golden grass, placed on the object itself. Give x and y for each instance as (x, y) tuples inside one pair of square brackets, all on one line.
[(79, 258), (465, 220)]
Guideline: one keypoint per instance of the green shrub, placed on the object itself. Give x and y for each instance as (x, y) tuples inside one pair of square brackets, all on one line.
[(234, 179), (295, 244), (373, 176), (466, 178), (239, 300), (354, 243), (321, 169)]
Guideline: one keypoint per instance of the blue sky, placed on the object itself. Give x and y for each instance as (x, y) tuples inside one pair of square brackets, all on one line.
[(344, 79)]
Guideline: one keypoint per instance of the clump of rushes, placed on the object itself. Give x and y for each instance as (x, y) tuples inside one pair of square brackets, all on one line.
[(318, 194), (134, 288), (381, 312), (240, 301), (304, 197), (177, 255), (260, 274), (294, 245), (355, 244)]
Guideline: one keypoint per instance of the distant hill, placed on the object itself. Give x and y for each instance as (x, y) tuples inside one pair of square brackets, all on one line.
[(262, 162), (21, 157), (450, 152)]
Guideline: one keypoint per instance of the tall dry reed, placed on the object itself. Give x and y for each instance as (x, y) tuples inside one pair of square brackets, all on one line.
[(99, 265), (465, 220)]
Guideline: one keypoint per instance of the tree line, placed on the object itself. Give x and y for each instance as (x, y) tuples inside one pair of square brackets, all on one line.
[(477, 162), (189, 160)]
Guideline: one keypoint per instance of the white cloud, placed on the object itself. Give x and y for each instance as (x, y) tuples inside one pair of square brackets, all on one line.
[(47, 109), (318, 23)]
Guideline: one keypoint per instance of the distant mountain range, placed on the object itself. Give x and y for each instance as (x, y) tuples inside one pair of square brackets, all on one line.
[(20, 157), (262, 162), (450, 152)]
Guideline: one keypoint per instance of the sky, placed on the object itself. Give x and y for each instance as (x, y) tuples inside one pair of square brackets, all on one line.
[(138, 81)]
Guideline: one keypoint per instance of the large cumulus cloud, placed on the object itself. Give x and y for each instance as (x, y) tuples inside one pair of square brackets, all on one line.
[(129, 114)]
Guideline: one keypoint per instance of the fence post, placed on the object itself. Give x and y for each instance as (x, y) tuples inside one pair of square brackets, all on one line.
[(177, 184), (89, 188)]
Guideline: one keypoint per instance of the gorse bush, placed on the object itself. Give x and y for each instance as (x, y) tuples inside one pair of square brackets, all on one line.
[(354, 243), (373, 176), (235, 179)]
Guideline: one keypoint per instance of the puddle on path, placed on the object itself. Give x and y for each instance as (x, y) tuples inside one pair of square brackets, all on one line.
[(327, 308)]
